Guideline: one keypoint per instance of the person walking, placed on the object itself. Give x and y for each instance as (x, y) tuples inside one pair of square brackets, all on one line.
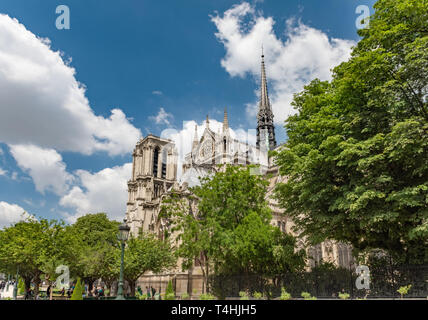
[(101, 292), (29, 294), (148, 292), (48, 292)]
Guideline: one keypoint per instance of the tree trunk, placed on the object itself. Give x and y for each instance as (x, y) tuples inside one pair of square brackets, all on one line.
[(27, 282), (90, 283), (36, 285), (50, 285), (109, 287), (114, 289), (131, 284), (204, 268), (207, 273), (203, 278)]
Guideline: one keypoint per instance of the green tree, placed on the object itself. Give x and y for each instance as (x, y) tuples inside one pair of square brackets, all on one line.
[(78, 291), (191, 233), (231, 230), (260, 248), (55, 254), (30, 247), (169, 293), (21, 287), (93, 250), (146, 253), (110, 261), (356, 157)]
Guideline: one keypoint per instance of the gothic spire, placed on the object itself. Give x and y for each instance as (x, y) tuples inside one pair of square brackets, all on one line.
[(225, 121), (195, 138), (264, 96), (265, 124), (208, 123)]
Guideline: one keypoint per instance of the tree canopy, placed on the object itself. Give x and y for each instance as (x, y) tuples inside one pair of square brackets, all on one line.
[(89, 248), (31, 247), (230, 229), (146, 253), (93, 247), (356, 157)]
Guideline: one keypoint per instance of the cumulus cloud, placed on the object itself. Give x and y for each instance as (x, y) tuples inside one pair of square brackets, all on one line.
[(2, 172), (162, 117), (45, 166), (81, 191), (307, 53), (103, 191), (11, 213), (183, 138), (42, 103)]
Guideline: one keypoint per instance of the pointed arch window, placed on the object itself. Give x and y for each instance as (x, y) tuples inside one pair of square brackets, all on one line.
[(155, 161), (164, 161)]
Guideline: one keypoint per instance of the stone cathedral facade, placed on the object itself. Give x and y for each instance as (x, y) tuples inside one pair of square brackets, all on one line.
[(154, 174)]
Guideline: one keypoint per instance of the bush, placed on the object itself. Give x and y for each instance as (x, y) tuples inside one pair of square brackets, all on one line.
[(344, 296), (258, 295), (404, 290), (243, 295), (206, 296), (21, 287), (185, 296), (284, 295), (169, 293), (140, 296), (307, 296), (78, 291)]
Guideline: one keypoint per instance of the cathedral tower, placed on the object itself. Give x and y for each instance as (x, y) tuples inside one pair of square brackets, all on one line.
[(154, 171), (265, 126)]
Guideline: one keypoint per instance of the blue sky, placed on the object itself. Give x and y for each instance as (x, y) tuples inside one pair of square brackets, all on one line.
[(137, 57)]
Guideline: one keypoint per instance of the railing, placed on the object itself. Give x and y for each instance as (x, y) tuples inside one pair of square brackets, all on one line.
[(384, 283)]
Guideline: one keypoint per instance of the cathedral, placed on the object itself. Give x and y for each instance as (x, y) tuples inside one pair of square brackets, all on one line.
[(154, 174)]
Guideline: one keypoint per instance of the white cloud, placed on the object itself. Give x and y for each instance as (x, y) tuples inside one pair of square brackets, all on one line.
[(45, 166), (11, 213), (162, 117), (307, 53), (42, 103), (157, 92), (103, 191), (2, 172)]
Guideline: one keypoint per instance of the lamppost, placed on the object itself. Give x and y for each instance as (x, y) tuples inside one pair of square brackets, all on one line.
[(123, 236)]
